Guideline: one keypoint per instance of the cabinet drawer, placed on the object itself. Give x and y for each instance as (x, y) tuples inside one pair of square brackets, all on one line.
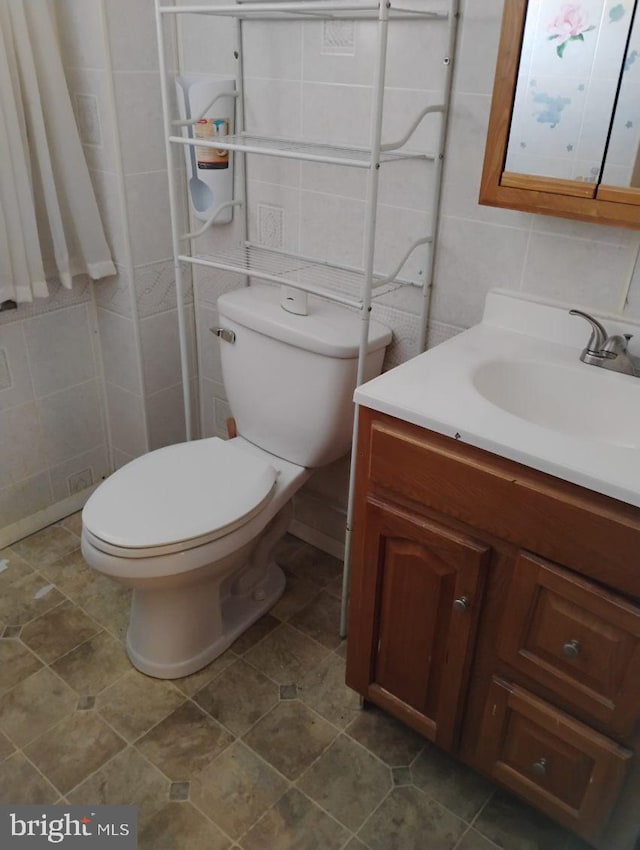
[(577, 640), (583, 530), (563, 767)]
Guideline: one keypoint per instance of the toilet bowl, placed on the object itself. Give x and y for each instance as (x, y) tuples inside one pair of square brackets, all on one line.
[(192, 527), (198, 553)]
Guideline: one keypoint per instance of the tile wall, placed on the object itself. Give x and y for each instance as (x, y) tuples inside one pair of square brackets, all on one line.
[(154, 388), (575, 262), (118, 334), (85, 49), (53, 438), (137, 309), (313, 80)]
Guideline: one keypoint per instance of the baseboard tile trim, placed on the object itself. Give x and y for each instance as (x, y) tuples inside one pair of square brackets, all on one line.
[(36, 522), (316, 538)]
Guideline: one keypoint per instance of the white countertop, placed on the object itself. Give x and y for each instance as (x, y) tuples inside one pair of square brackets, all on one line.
[(437, 390)]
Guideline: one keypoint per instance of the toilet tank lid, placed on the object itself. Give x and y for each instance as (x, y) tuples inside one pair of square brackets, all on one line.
[(328, 329)]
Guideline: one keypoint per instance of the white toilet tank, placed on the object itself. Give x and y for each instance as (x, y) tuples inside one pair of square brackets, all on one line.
[(290, 379)]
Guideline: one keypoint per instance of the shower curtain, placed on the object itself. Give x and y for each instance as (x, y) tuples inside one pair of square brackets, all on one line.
[(49, 220)]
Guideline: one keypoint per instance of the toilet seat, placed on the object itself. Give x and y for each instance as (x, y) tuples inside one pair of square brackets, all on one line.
[(177, 498)]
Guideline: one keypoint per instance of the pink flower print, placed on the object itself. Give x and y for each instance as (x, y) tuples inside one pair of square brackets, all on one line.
[(569, 25), (572, 20)]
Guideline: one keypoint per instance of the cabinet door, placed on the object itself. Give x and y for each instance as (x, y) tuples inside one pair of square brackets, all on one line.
[(575, 638), (415, 599), (563, 767)]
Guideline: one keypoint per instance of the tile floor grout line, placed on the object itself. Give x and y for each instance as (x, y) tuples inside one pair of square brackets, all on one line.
[(481, 834), (220, 674), (339, 729), (461, 839), (289, 785), (467, 824), (70, 598), (146, 758), (144, 734), (281, 625), (445, 807), (327, 652), (66, 793), (316, 760), (255, 666), (263, 638), (73, 649), (66, 596), (263, 759), (263, 814), (138, 672), (351, 832), (98, 769), (19, 640), (477, 817), (189, 800), (292, 786), (53, 725), (37, 769), (390, 767), (372, 813), (107, 629), (211, 680), (39, 571), (42, 613), (249, 728), (482, 808)]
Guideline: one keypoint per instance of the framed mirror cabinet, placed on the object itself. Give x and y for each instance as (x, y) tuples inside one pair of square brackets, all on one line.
[(564, 127)]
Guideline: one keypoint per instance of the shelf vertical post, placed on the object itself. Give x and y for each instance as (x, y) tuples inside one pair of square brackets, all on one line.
[(427, 287), (369, 256), (241, 170), (175, 228)]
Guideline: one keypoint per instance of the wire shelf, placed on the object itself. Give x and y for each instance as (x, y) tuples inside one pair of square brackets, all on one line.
[(355, 157), (306, 10), (329, 280)]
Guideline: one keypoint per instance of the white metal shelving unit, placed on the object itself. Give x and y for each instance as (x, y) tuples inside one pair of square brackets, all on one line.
[(354, 287)]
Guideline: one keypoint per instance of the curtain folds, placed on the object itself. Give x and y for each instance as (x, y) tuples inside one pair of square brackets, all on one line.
[(49, 220)]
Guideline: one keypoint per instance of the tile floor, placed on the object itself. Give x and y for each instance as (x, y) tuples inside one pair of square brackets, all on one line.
[(265, 749)]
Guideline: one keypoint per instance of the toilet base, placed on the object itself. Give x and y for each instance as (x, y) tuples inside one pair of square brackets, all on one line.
[(238, 613)]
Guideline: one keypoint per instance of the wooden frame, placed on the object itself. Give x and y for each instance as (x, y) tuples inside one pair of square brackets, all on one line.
[(602, 204)]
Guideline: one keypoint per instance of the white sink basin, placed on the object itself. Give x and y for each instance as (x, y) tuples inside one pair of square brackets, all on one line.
[(579, 400), (514, 386)]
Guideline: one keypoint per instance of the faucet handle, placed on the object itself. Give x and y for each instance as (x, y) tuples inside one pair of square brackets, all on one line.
[(615, 345), (599, 336)]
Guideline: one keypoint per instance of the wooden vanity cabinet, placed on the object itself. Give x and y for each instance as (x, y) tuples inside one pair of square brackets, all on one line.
[(496, 610)]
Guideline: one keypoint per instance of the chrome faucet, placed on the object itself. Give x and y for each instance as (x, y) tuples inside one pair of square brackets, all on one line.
[(608, 352)]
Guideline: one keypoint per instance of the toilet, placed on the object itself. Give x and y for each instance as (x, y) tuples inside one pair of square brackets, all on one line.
[(192, 527)]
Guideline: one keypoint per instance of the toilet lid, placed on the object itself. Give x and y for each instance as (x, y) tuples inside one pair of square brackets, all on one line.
[(195, 492)]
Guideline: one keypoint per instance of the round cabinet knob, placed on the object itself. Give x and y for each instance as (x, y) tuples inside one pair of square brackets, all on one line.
[(461, 604), (540, 767), (571, 649)]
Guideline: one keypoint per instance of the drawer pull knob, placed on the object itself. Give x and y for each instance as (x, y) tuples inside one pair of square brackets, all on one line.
[(461, 604), (572, 648), (539, 768)]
